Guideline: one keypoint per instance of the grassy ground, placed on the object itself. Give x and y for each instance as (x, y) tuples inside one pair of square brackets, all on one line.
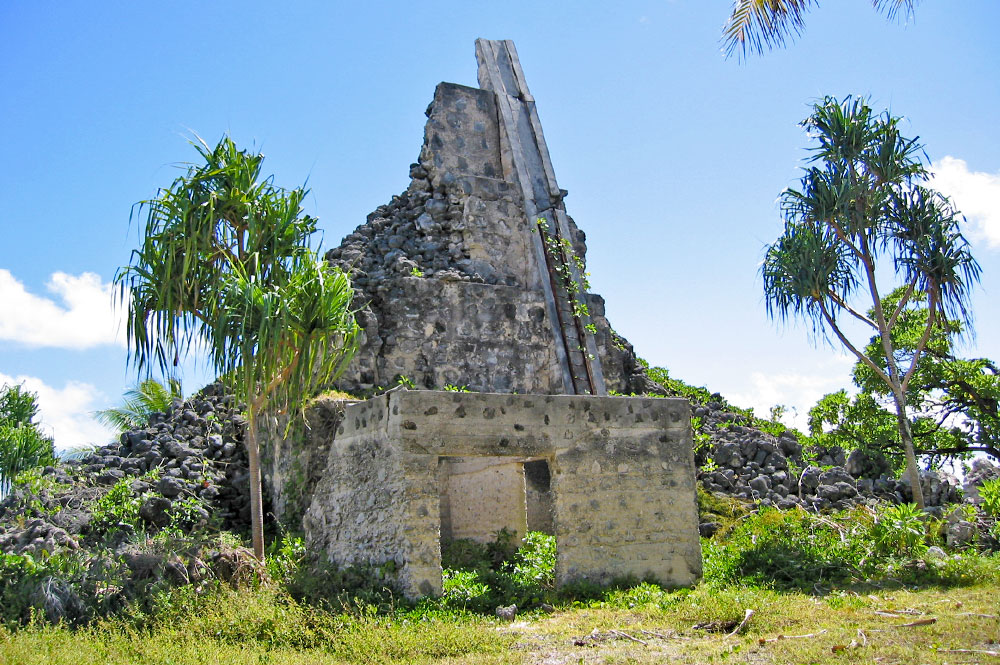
[(898, 626)]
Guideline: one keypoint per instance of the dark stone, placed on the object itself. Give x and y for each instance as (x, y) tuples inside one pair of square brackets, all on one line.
[(156, 511), (170, 487)]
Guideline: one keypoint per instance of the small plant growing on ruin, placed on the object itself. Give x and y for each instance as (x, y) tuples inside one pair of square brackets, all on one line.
[(989, 492), (117, 508), (452, 388)]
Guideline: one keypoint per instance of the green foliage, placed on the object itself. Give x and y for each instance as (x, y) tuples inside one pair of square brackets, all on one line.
[(801, 550), (145, 398), (452, 388), (226, 263), (569, 267), (719, 508), (405, 382), (899, 530), (479, 577), (118, 508), (989, 492), (861, 206), (954, 400), (757, 26), (22, 445), (285, 557)]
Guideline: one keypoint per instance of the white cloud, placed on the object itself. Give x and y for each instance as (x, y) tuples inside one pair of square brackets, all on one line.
[(65, 413), (975, 193), (797, 391), (81, 317)]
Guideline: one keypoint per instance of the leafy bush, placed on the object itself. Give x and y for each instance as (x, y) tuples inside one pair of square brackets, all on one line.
[(479, 576), (989, 492), (116, 509), (801, 550), (900, 530)]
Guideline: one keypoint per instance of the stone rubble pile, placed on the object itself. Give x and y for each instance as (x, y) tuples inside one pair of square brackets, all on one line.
[(189, 459), (741, 461), (418, 233)]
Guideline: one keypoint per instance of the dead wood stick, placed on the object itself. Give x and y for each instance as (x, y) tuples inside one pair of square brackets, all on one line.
[(921, 622), (746, 619), (897, 613), (655, 634), (855, 644), (620, 633), (789, 637), (982, 651)]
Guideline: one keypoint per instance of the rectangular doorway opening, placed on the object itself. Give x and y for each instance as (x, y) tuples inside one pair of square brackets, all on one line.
[(480, 496)]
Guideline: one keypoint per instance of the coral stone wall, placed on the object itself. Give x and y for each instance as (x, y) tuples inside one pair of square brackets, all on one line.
[(622, 481), (447, 280)]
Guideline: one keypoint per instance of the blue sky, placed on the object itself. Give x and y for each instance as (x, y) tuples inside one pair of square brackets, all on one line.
[(673, 155)]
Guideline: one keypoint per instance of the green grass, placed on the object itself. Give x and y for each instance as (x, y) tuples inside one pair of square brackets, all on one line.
[(855, 577), (266, 627)]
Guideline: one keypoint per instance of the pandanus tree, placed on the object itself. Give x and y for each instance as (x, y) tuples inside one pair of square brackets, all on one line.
[(225, 267), (756, 25), (863, 217)]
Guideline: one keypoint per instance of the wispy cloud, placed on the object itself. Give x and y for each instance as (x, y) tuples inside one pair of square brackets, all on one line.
[(80, 316), (975, 193), (797, 391), (65, 413)]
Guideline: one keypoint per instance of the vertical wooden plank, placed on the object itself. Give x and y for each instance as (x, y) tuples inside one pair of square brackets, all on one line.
[(500, 71)]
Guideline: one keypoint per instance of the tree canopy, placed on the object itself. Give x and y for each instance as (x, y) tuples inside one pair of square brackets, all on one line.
[(862, 211)]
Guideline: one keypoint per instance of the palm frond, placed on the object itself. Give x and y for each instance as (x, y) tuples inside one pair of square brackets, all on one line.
[(759, 25), (756, 25), (893, 9)]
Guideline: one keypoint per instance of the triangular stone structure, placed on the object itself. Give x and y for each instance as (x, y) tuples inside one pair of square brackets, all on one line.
[(475, 275)]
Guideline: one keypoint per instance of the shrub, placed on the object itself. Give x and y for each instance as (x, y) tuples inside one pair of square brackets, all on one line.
[(801, 550), (989, 492)]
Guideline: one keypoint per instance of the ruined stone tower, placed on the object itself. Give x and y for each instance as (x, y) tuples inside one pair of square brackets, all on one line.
[(475, 277), (461, 282)]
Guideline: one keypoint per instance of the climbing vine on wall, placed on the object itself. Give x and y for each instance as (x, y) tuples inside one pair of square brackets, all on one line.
[(564, 258)]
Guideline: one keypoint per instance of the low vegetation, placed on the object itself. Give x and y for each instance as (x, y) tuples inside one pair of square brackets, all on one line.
[(860, 584)]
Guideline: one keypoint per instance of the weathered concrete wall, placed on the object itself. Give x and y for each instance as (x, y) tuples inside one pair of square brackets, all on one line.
[(622, 476), (480, 496), (293, 461), (488, 338)]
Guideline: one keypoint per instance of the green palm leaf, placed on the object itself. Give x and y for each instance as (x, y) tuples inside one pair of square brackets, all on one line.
[(759, 25)]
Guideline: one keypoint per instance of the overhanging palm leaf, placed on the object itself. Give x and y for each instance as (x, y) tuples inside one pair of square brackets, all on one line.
[(759, 25)]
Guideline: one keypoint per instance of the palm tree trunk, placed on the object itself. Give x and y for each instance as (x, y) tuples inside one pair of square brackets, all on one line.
[(906, 437), (256, 493)]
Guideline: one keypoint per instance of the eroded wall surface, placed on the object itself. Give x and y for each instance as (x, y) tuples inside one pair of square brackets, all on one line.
[(622, 481), (480, 496)]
